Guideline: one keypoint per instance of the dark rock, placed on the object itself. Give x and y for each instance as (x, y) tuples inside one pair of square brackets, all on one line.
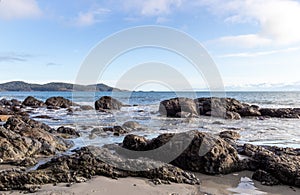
[(265, 178), (86, 107), (230, 135), (131, 125), (280, 163), (249, 111), (43, 117), (60, 102), (175, 106), (109, 103), (135, 142), (69, 131), (19, 123), (197, 151), (280, 112), (90, 161), (218, 106), (116, 130), (232, 115), (11, 107), (33, 102), (228, 108), (23, 137)]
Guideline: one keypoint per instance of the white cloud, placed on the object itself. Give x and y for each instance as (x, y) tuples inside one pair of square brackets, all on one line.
[(18, 9), (91, 17), (152, 7), (161, 20), (249, 40), (14, 57), (260, 53), (278, 20)]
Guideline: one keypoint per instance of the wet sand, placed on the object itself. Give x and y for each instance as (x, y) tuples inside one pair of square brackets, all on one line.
[(221, 184)]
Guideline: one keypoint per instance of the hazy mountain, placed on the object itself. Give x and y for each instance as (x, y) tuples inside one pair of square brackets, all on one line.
[(54, 86)]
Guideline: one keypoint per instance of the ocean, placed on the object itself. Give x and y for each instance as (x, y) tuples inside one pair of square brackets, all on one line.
[(273, 131)]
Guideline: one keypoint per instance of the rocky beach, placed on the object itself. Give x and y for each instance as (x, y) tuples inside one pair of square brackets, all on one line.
[(35, 153)]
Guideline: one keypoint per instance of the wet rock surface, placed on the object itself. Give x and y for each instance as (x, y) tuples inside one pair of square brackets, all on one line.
[(196, 151), (11, 107), (274, 165), (23, 140), (108, 103), (212, 155), (116, 130), (59, 102), (68, 132), (176, 107), (22, 137), (33, 102), (228, 108), (90, 161), (131, 125)]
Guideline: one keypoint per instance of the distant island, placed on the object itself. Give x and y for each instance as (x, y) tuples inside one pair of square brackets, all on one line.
[(54, 86)]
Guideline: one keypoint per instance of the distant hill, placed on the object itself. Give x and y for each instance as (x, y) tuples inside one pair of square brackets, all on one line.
[(54, 86)]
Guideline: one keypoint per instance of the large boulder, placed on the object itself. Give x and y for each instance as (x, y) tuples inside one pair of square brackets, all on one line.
[(23, 137), (60, 102), (176, 107), (193, 150), (32, 102), (218, 106), (108, 103)]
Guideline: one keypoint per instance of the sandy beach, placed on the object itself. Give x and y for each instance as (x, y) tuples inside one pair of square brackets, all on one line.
[(221, 184)]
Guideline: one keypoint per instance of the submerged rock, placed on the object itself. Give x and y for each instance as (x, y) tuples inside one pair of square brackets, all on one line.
[(86, 107), (131, 125), (108, 103)]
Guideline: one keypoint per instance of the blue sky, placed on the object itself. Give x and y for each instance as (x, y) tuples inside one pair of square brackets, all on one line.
[(252, 42)]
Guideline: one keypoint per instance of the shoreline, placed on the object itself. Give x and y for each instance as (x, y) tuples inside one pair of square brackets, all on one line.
[(267, 163), (219, 184)]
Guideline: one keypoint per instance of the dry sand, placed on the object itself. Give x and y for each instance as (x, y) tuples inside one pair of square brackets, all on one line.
[(223, 184)]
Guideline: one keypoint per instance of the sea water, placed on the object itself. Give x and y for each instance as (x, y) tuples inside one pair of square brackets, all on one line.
[(143, 108)]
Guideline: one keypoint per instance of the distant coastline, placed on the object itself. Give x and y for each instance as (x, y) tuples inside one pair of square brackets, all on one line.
[(54, 86)]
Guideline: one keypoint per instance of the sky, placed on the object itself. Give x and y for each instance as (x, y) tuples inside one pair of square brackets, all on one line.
[(254, 43)]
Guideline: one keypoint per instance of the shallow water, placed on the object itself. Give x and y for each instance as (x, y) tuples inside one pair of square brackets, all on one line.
[(280, 132)]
